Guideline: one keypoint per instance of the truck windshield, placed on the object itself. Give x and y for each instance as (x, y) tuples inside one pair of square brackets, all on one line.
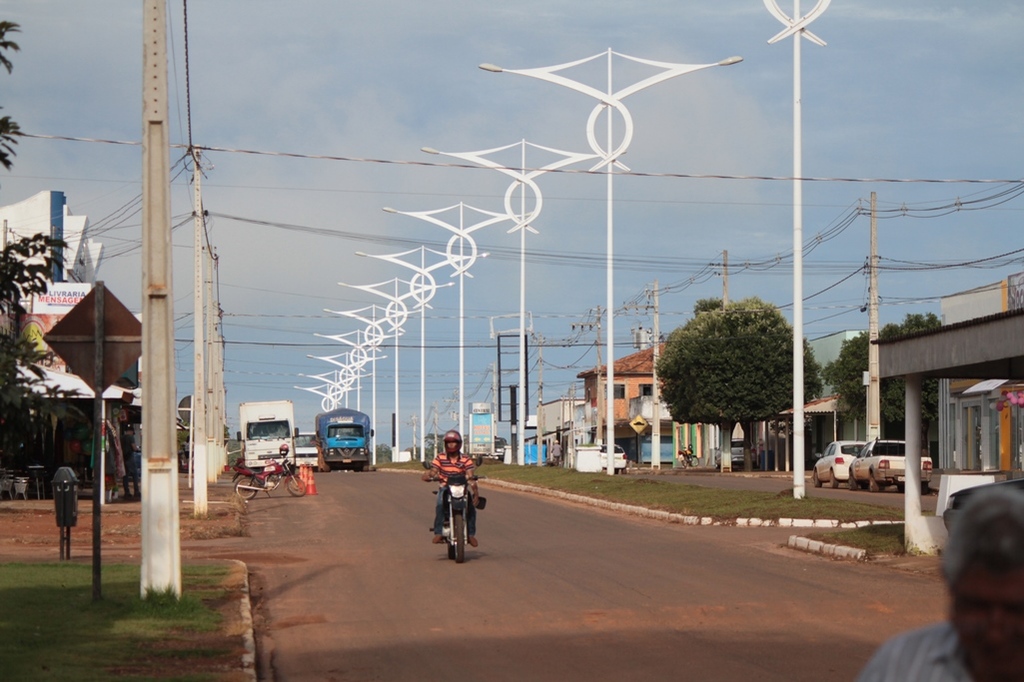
[(266, 430), (344, 431)]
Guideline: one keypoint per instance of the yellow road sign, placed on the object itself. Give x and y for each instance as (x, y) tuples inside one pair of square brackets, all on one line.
[(638, 423)]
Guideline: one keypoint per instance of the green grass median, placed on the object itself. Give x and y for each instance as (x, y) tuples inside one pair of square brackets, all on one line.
[(52, 629)]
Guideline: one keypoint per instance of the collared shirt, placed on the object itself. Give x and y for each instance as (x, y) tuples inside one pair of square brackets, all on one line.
[(931, 654), (446, 467)]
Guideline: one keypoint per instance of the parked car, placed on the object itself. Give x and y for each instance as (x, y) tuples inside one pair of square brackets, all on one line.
[(620, 459), (736, 455), (305, 449), (833, 466), (882, 463), (957, 500)]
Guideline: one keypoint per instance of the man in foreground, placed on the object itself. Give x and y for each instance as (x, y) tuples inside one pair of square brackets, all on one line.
[(452, 461), (983, 640)]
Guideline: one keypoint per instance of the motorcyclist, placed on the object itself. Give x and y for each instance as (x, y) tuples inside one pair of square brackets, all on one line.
[(452, 461)]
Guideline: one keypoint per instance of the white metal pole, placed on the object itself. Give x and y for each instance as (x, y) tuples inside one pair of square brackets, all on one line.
[(610, 291), (798, 277), (462, 321)]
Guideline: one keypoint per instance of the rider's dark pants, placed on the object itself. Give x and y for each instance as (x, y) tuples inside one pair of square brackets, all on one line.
[(439, 515)]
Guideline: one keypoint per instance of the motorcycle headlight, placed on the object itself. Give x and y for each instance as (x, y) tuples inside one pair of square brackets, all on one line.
[(458, 491)]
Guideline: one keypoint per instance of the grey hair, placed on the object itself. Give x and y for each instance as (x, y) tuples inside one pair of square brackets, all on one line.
[(989, 532)]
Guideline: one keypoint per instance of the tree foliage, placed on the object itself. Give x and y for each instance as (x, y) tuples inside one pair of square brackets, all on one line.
[(8, 128), (846, 373), (733, 364), (26, 404)]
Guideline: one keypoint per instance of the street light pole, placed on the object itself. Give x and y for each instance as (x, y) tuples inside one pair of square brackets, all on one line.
[(608, 100), (797, 27), (522, 179)]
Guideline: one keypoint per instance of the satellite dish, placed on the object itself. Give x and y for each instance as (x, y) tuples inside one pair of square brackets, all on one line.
[(185, 408)]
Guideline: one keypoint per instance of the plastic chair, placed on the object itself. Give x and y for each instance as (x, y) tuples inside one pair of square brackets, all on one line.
[(21, 487), (6, 486)]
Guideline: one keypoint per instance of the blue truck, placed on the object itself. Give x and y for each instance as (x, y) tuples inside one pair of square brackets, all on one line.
[(346, 437)]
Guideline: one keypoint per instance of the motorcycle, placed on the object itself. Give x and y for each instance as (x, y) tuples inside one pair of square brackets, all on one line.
[(455, 510), (249, 482), (686, 458)]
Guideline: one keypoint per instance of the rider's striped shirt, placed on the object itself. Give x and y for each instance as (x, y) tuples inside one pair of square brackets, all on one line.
[(447, 467)]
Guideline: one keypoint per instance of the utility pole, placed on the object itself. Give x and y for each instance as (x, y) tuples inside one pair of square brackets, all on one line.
[(200, 466), (655, 391), (539, 340), (161, 544), (725, 279), (873, 415)]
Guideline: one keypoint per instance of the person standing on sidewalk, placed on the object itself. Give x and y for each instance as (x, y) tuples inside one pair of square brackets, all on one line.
[(132, 459)]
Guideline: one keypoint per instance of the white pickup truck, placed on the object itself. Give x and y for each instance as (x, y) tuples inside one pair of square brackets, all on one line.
[(882, 463)]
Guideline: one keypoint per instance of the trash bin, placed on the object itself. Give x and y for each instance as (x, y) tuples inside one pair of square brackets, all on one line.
[(65, 497)]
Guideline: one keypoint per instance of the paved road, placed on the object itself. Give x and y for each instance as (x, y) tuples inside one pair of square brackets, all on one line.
[(347, 586)]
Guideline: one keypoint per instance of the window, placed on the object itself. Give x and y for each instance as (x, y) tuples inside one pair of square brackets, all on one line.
[(646, 389), (619, 392)]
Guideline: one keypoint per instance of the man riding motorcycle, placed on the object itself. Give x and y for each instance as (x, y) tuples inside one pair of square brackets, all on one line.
[(452, 461)]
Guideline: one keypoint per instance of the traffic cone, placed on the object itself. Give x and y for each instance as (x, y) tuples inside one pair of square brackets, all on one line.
[(311, 482)]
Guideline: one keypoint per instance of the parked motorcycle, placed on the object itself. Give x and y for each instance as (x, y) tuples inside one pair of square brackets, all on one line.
[(455, 508), (250, 482), (686, 458)]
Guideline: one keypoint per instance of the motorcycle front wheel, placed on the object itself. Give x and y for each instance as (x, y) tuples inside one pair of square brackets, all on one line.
[(459, 529), (296, 486), (246, 493)]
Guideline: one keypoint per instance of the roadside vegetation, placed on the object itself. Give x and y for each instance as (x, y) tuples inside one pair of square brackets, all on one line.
[(52, 628), (681, 498)]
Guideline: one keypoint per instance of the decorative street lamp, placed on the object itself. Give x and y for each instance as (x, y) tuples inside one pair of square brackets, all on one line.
[(521, 180), (423, 287), (461, 262), (797, 27), (609, 160)]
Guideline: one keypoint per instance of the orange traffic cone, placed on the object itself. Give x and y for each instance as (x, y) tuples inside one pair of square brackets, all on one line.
[(310, 481)]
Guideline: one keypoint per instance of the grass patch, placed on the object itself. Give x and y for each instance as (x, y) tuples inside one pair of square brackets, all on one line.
[(876, 540), (51, 628), (719, 504)]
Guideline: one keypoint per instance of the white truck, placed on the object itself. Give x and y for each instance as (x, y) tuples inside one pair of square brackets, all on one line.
[(267, 431), (882, 463)]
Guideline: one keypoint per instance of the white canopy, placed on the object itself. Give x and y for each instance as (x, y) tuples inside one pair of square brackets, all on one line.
[(65, 382)]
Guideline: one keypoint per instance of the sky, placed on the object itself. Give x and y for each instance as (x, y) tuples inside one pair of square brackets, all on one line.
[(315, 117)]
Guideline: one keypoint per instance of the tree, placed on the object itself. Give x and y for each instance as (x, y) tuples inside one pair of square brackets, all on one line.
[(846, 373), (733, 364), (8, 128), (26, 403)]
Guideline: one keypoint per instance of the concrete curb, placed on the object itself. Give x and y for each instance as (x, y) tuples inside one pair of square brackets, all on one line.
[(248, 630)]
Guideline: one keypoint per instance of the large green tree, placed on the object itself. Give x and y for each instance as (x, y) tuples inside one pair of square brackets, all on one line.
[(846, 373), (733, 363), (26, 404)]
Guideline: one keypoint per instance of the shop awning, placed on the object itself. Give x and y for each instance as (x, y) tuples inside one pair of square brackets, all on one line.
[(986, 386), (68, 383)]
